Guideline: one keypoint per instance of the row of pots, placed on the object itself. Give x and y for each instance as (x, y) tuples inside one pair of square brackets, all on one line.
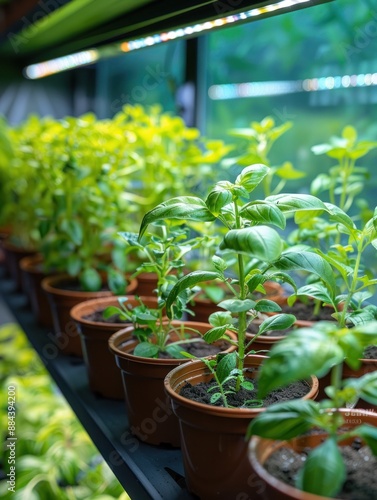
[(174, 420)]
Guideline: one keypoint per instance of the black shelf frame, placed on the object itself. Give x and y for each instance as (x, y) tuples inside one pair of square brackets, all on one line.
[(146, 472)]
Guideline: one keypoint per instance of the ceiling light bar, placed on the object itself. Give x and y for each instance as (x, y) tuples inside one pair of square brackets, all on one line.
[(47, 68), (262, 89)]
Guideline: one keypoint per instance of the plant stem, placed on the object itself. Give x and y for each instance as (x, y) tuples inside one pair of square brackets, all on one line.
[(242, 314)]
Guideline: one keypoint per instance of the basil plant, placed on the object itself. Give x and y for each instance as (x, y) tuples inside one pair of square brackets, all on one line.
[(248, 234), (319, 350)]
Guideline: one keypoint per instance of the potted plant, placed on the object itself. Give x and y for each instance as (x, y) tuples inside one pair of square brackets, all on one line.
[(319, 349), (95, 330), (229, 204), (352, 284), (146, 351)]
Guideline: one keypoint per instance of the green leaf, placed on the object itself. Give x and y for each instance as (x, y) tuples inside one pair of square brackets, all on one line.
[(366, 387), (188, 281), (304, 352), (265, 305), (146, 350), (111, 311), (316, 290), (214, 334), (73, 229), (184, 207), (176, 351), (284, 420), (226, 365), (324, 471), (220, 318), (278, 322), (297, 202), (219, 263), (74, 265), (252, 176), (117, 282), (262, 242), (310, 262), (263, 212), (237, 305), (90, 280), (217, 199)]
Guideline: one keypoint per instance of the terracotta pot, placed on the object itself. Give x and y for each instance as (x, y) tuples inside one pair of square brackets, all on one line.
[(213, 445), (146, 284), (104, 376), (150, 415), (61, 300), (32, 275), (268, 487), (13, 256)]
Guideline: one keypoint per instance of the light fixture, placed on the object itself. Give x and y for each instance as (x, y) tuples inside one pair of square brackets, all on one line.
[(270, 88), (52, 66)]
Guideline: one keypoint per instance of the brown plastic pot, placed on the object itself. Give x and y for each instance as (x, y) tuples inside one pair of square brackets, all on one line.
[(146, 284), (61, 300), (150, 415), (214, 448), (268, 487), (13, 256), (32, 275), (104, 376)]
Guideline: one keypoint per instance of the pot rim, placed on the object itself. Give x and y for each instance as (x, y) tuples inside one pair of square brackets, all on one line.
[(219, 410), (49, 285), (124, 334), (27, 263), (79, 310), (276, 483)]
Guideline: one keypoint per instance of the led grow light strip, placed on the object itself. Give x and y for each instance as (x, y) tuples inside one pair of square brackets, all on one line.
[(71, 61), (262, 89)]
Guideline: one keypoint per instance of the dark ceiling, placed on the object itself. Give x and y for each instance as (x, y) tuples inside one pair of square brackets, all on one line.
[(36, 30)]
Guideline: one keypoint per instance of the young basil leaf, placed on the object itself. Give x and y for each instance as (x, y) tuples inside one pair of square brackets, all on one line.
[(184, 207), (310, 262), (252, 176), (263, 212), (146, 350), (284, 420), (265, 305), (220, 318), (304, 352), (117, 282), (262, 242), (214, 334), (176, 351), (217, 199), (111, 311), (188, 281), (296, 202), (225, 366), (278, 322), (366, 387), (237, 305), (90, 280), (324, 471)]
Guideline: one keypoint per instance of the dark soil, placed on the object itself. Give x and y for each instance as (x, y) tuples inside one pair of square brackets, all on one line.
[(200, 393), (253, 329), (306, 311), (201, 349), (370, 352), (361, 465), (97, 316)]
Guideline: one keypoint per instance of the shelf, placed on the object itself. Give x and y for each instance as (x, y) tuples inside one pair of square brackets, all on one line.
[(146, 472)]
